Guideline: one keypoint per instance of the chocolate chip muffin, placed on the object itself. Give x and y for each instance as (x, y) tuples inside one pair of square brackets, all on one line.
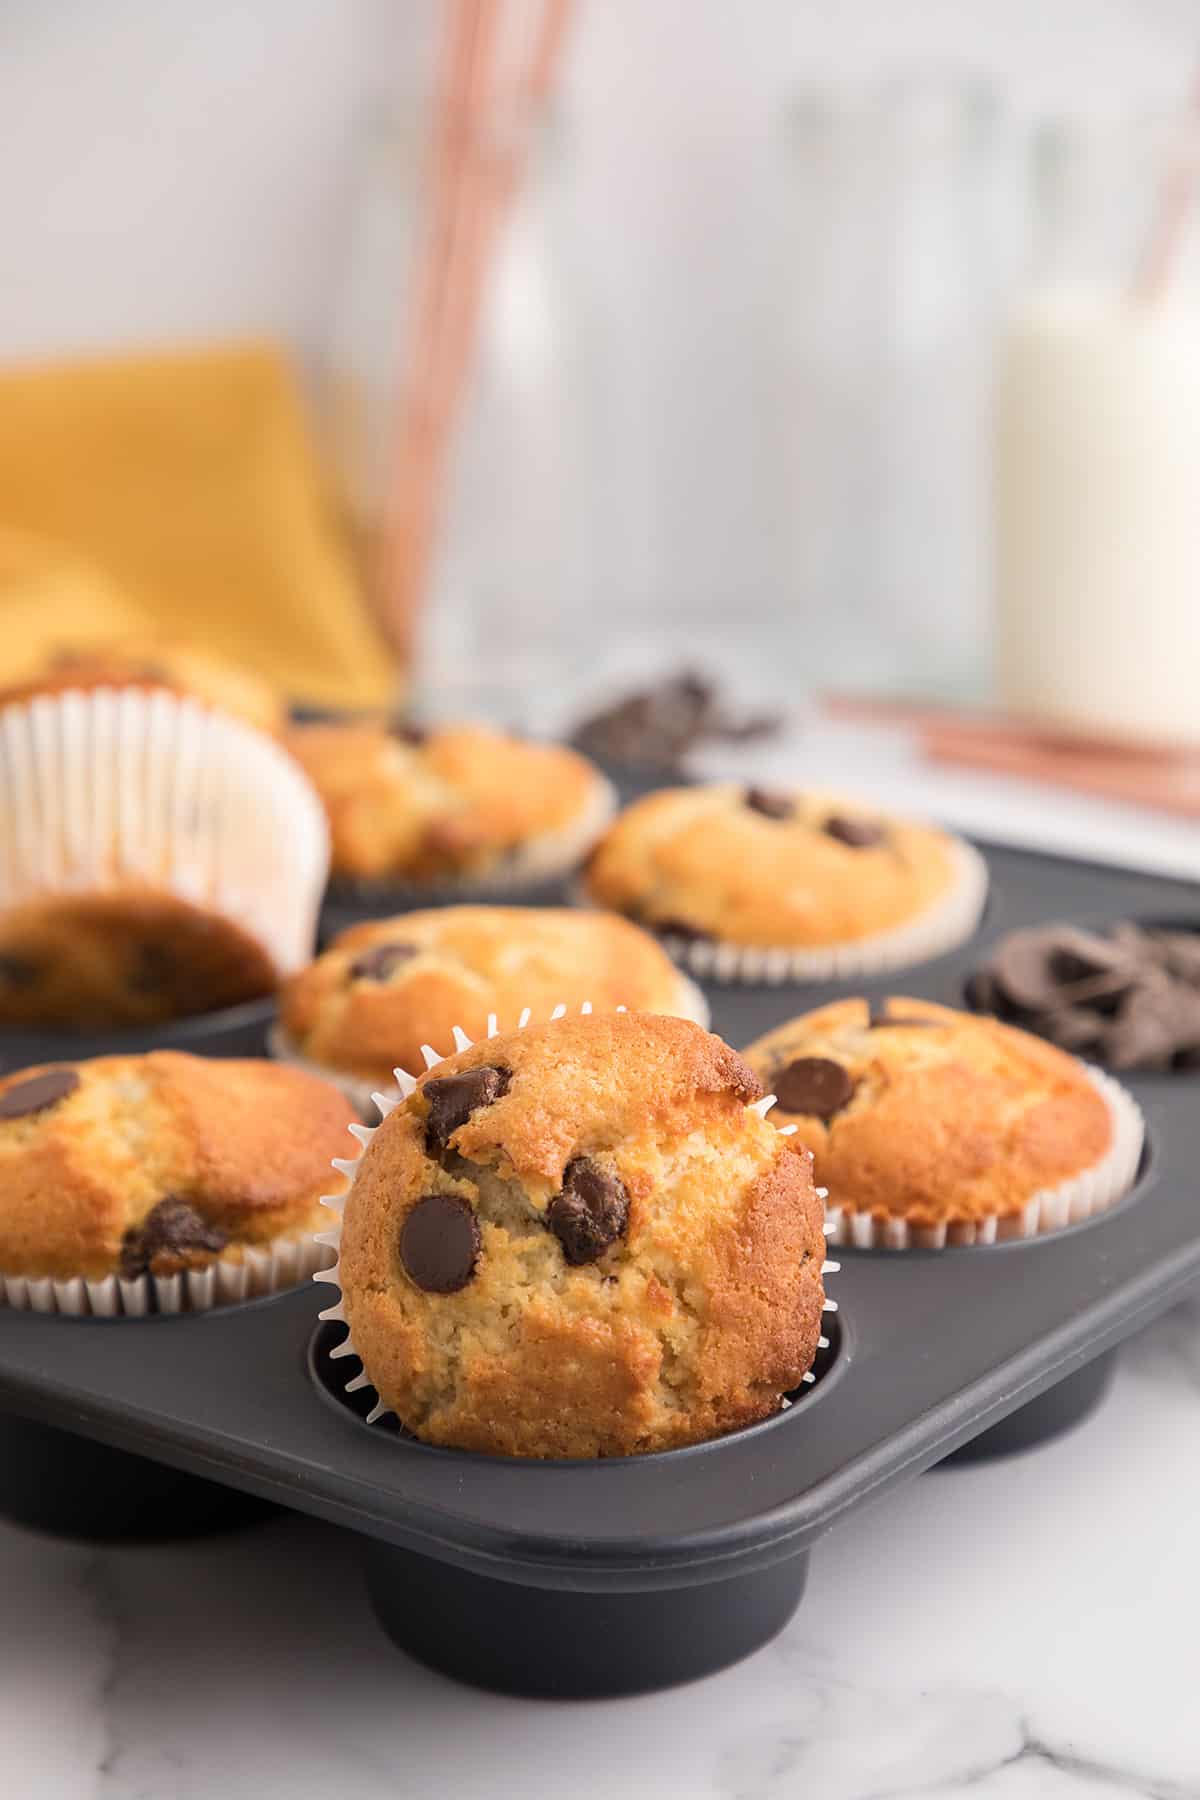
[(750, 884), (460, 803), (122, 1173), (932, 1127), (151, 662), (582, 1239), (383, 989), (96, 961)]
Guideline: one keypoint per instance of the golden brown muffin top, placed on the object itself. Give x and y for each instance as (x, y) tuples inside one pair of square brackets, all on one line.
[(383, 989), (768, 868), (919, 1112), (89, 1150), (580, 1240), (454, 800), (151, 662)]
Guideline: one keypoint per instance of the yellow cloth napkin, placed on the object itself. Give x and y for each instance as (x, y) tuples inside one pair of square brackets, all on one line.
[(182, 494)]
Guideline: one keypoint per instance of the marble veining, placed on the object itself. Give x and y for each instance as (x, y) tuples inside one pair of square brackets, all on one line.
[(1008, 1632)]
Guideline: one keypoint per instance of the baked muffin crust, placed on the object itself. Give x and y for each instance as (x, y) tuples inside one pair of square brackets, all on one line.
[(246, 1145), (785, 869), (649, 1256), (382, 989), (460, 800), (939, 1115)]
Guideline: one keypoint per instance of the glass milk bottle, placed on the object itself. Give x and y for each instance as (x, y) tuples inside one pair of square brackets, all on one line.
[(1097, 441)]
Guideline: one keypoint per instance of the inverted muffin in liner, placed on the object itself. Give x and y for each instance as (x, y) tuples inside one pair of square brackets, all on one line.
[(1085, 1196), (119, 789), (246, 1272), (348, 1167), (361, 1092), (550, 857)]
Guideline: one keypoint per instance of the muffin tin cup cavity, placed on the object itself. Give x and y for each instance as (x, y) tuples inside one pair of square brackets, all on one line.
[(1073, 1202), (941, 929), (256, 1271), (354, 1400), (110, 788), (575, 1644)]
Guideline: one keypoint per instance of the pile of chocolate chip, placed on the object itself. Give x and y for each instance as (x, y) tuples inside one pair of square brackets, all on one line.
[(656, 727), (1128, 998)]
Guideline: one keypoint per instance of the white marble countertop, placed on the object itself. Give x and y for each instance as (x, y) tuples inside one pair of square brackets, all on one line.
[(1019, 1630)]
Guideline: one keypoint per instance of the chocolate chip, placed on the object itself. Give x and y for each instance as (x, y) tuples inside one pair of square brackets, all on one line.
[(878, 1015), (404, 733), (439, 1243), (679, 928), (153, 970), (17, 972), (38, 1093), (453, 1098), (172, 1229), (816, 1086), (590, 1213), (856, 834), (771, 806), (380, 961)]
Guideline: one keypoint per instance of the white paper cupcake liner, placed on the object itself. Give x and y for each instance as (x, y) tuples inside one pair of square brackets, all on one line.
[(941, 928), (360, 1091), (550, 857), (348, 1167), (115, 788), (1085, 1196), (258, 1269)]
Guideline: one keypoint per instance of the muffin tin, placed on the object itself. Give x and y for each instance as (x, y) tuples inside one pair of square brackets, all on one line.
[(579, 1578)]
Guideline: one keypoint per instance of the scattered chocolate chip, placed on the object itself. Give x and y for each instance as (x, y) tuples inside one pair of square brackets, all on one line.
[(38, 1093), (816, 1086), (439, 1243), (856, 834), (17, 972), (771, 806), (405, 733), (380, 961), (657, 727), (453, 1098), (173, 1228), (1129, 998), (153, 968), (590, 1213)]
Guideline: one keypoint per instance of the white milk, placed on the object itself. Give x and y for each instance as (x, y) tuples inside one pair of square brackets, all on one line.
[(1097, 489)]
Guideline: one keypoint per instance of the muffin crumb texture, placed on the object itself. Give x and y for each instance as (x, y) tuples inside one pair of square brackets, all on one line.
[(917, 1112), (161, 1163), (581, 1239)]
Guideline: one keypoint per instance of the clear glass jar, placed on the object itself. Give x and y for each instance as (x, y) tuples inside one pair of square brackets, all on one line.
[(899, 245), (1097, 438)]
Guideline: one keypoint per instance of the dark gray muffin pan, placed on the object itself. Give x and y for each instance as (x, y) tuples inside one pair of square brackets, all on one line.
[(613, 1577)]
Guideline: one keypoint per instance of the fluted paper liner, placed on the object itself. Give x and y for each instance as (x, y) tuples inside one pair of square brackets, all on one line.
[(115, 788), (940, 928), (360, 1093), (1092, 1192), (244, 1273), (387, 1103)]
